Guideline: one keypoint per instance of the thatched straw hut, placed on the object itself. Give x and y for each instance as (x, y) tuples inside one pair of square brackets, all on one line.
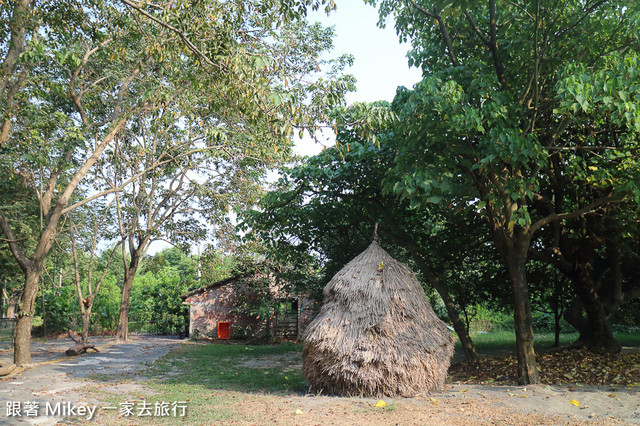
[(376, 333)]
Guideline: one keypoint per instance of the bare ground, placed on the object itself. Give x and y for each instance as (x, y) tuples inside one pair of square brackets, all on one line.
[(471, 402), (64, 379)]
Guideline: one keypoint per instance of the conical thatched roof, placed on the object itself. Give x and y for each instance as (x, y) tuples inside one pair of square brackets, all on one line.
[(376, 333)]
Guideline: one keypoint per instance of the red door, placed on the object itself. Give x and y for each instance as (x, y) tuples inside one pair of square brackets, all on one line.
[(224, 330)]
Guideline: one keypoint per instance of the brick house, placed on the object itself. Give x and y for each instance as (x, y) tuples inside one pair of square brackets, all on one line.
[(223, 309)]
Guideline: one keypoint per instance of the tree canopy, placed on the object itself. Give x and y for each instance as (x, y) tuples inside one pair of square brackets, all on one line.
[(527, 119), (77, 78)]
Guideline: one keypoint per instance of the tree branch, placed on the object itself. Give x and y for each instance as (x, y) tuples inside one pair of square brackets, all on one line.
[(632, 293), (117, 110), (443, 29), (493, 45), (76, 266), (591, 208), (12, 241), (134, 177), (13, 89), (47, 196), (106, 269), (472, 22), (17, 43), (72, 92), (180, 34)]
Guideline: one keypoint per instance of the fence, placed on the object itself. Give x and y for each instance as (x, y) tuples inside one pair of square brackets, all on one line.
[(7, 325), (286, 319), (171, 325)]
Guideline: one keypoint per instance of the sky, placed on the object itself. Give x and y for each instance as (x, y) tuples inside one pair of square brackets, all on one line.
[(380, 64)]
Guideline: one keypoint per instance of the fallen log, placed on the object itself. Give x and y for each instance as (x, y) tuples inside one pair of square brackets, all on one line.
[(79, 347), (6, 369)]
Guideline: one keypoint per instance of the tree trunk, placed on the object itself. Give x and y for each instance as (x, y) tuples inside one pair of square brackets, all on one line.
[(558, 307), (80, 348), (22, 332), (3, 298), (122, 332), (12, 303), (6, 369), (11, 308), (86, 320), (461, 329), (527, 367), (44, 313), (573, 315), (597, 335), (595, 331)]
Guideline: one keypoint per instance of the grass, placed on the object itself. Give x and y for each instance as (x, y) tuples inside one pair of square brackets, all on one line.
[(232, 367), (628, 339), (216, 380), (505, 341), (227, 383)]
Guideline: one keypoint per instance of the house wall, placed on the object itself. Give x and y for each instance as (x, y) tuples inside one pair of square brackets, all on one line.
[(216, 305)]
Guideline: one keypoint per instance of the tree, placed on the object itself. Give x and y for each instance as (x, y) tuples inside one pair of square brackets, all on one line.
[(328, 205), (83, 73), (199, 159), (86, 299), (595, 254), (69, 106), (161, 202), (498, 107)]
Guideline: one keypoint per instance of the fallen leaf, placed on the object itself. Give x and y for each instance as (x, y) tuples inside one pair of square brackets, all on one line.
[(381, 404), (576, 368), (574, 402)]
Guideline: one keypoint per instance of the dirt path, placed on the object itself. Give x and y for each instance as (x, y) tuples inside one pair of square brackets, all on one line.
[(57, 380)]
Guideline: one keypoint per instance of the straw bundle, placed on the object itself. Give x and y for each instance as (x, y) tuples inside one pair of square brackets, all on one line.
[(376, 334)]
